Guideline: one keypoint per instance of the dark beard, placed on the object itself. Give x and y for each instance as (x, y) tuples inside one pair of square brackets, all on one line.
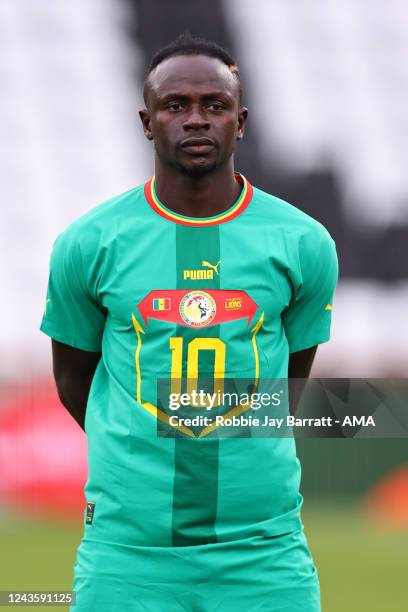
[(196, 171)]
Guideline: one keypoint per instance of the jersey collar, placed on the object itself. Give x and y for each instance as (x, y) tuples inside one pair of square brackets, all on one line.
[(236, 209)]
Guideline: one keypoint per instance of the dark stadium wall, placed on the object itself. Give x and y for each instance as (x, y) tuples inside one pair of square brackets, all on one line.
[(363, 253)]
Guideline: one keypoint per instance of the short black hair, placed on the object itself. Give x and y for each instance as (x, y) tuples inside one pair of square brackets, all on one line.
[(187, 44)]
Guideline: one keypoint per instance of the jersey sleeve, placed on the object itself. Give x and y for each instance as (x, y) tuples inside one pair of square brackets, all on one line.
[(307, 319), (72, 314)]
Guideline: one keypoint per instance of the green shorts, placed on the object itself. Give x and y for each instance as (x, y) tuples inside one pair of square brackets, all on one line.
[(258, 574)]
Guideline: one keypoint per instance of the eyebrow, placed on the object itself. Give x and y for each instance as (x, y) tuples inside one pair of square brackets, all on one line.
[(206, 96)]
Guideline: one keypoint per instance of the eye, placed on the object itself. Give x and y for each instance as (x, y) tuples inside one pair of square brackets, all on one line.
[(216, 106), (174, 106)]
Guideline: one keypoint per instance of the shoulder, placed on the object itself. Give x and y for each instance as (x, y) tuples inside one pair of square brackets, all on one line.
[(282, 215), (82, 250), (307, 245), (102, 219)]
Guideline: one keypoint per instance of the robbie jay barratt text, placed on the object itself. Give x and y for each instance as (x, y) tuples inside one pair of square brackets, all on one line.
[(289, 421)]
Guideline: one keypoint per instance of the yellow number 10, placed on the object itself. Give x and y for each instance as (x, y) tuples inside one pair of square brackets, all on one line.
[(193, 349)]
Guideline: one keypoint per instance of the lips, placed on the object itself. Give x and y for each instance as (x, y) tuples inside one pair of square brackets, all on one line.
[(196, 146)]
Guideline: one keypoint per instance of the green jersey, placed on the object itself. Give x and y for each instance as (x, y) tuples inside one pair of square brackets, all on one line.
[(163, 295)]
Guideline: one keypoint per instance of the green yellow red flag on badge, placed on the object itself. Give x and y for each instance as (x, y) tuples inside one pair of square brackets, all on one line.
[(161, 303)]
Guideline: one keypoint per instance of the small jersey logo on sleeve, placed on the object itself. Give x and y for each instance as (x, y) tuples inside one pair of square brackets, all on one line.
[(90, 509), (329, 307), (47, 301)]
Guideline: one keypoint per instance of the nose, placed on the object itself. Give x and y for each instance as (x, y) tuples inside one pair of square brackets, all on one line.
[(196, 120)]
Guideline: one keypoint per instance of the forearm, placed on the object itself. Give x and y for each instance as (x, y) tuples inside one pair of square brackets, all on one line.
[(296, 387)]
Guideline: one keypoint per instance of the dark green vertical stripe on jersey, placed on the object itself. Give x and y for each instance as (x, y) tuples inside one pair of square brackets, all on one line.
[(196, 460)]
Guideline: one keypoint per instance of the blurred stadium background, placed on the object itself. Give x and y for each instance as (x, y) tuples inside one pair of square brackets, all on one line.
[(327, 87)]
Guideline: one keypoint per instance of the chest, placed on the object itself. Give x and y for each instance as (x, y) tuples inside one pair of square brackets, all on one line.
[(149, 272)]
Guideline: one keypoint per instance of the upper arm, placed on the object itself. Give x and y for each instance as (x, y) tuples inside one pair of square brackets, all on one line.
[(72, 363), (300, 363)]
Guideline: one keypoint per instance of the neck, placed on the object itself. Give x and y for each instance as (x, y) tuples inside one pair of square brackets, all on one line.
[(202, 196)]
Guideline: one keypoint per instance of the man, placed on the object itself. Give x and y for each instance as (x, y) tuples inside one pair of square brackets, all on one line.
[(196, 273)]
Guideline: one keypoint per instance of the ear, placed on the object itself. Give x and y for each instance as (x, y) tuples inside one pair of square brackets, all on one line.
[(145, 119), (242, 117)]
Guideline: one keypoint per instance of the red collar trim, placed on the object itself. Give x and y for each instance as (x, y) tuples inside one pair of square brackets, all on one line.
[(236, 209)]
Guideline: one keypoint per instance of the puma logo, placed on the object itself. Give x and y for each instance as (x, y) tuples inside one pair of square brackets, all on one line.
[(206, 264), (203, 274)]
